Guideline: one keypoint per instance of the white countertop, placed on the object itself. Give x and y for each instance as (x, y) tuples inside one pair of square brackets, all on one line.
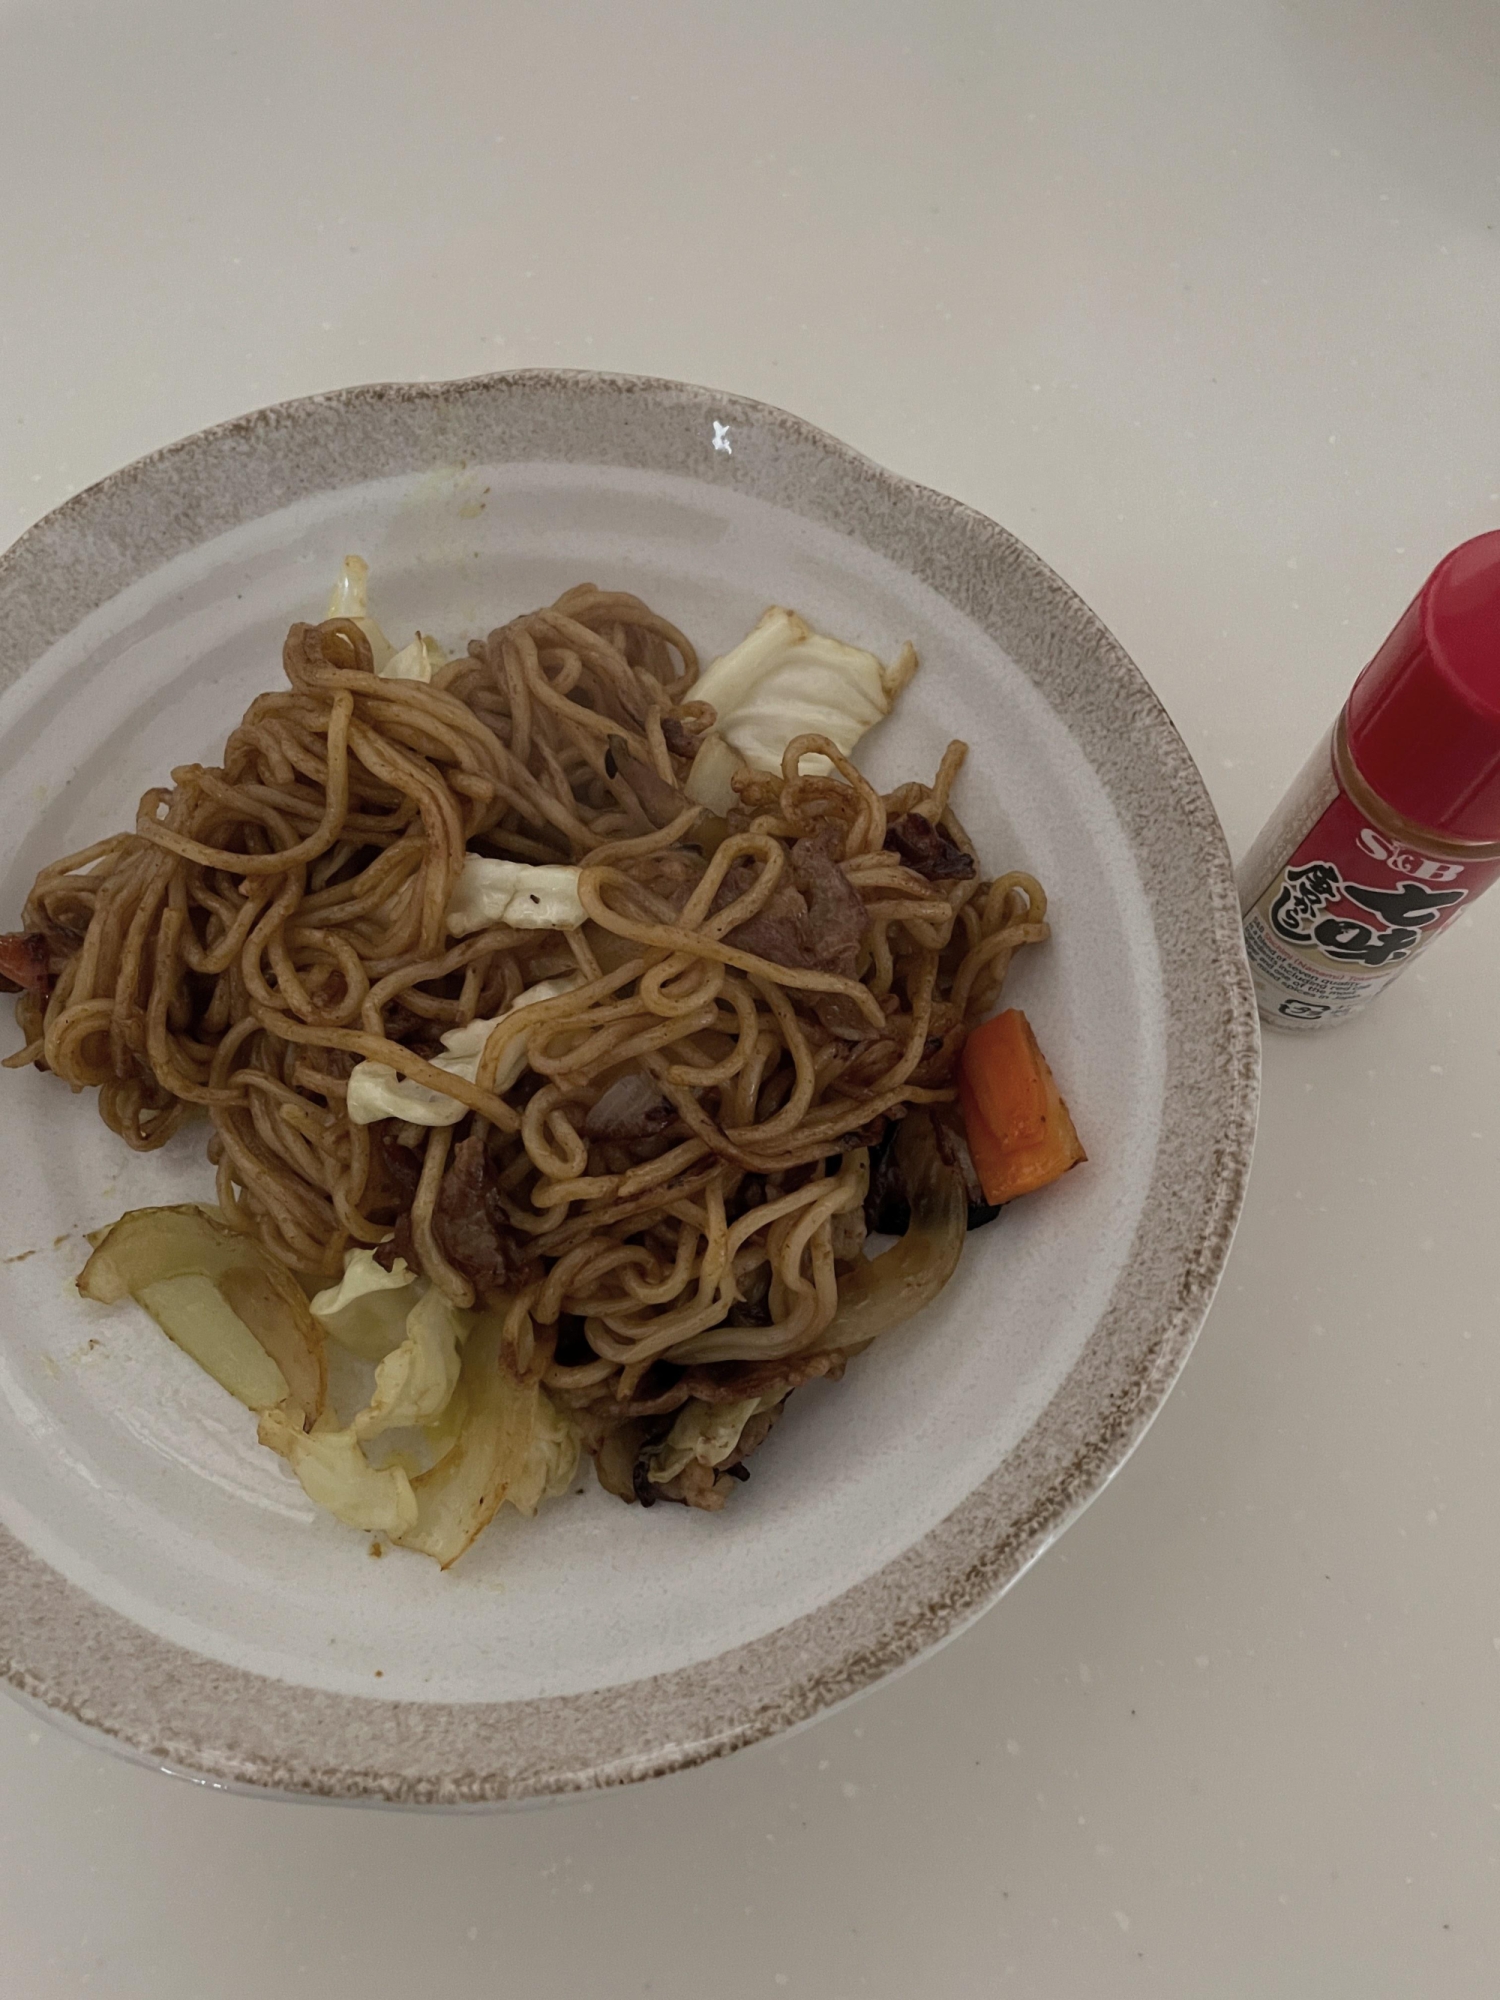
[(1204, 302)]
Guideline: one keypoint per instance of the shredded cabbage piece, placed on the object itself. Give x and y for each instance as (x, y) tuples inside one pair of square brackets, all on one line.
[(703, 1431), (375, 1090), (527, 895), (516, 1445), (366, 1310), (785, 680), (415, 1380), (707, 1432), (417, 662), (336, 1475), (551, 1458), (350, 599), (421, 1447)]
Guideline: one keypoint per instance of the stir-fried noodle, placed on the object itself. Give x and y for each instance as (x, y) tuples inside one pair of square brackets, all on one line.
[(660, 1162)]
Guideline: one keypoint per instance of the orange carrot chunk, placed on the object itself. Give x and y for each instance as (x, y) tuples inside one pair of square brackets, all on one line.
[(1019, 1131)]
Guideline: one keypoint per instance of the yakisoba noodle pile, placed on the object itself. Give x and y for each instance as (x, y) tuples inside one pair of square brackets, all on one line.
[(653, 1200)]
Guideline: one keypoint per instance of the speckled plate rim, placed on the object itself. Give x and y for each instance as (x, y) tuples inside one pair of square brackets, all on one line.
[(166, 1705)]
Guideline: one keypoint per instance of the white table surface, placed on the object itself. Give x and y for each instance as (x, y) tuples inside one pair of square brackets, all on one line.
[(1202, 298)]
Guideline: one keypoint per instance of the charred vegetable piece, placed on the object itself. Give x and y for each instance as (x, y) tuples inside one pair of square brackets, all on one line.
[(880, 1292), (25, 962), (887, 1204), (220, 1297), (927, 850), (616, 1459), (515, 1445), (1020, 1134), (953, 1145)]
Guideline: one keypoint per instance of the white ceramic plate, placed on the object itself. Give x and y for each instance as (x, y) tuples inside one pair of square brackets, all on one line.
[(162, 1579)]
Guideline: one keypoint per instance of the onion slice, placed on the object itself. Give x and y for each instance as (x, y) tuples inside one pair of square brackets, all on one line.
[(880, 1292), (220, 1297)]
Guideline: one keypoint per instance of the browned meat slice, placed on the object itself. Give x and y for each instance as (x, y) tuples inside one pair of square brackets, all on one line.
[(816, 924), (836, 919), (927, 850), (468, 1223), (778, 932), (395, 1171)]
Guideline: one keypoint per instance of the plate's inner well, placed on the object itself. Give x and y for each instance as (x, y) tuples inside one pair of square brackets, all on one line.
[(136, 1476)]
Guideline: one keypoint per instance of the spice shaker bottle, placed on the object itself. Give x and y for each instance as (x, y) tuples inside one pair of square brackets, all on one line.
[(1393, 826)]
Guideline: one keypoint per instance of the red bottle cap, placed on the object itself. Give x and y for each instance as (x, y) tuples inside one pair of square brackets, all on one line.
[(1424, 716)]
